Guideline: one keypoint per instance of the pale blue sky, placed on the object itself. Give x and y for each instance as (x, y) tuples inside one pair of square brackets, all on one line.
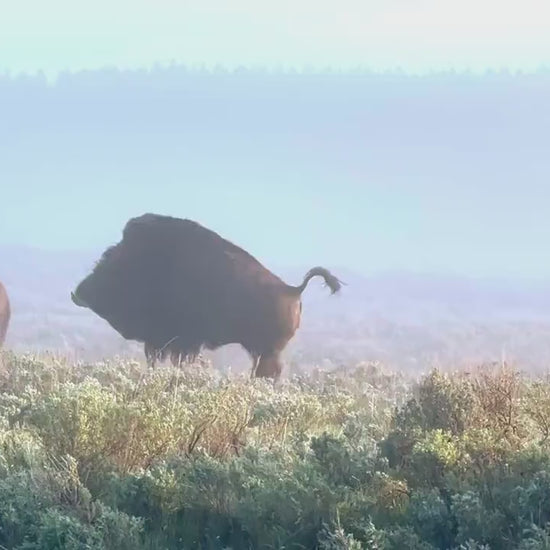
[(417, 35)]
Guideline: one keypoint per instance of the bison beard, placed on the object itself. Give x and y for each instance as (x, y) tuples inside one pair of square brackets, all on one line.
[(5, 314), (179, 287)]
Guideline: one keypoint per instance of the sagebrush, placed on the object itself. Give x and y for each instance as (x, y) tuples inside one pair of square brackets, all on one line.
[(111, 455)]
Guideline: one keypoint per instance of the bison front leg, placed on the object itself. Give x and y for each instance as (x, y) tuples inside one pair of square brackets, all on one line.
[(255, 362), (177, 359), (150, 355)]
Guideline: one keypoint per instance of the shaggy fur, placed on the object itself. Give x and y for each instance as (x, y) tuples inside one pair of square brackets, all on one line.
[(5, 313), (179, 287)]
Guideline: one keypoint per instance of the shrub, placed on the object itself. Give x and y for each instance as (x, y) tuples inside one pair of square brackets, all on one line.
[(111, 455)]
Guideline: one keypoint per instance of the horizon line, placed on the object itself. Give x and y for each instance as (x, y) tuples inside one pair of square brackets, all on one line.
[(280, 69)]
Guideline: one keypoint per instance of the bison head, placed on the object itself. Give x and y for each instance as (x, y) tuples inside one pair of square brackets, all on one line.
[(99, 288), (112, 291)]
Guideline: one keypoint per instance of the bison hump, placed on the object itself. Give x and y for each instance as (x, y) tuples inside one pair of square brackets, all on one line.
[(186, 245)]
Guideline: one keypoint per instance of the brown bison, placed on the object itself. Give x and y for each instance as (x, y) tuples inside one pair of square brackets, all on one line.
[(5, 313), (179, 287)]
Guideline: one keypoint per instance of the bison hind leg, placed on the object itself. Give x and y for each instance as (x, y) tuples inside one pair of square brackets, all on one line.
[(269, 366)]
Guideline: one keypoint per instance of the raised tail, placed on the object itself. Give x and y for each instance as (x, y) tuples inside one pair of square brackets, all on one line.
[(330, 280)]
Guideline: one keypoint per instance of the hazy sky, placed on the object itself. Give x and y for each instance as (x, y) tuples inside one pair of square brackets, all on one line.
[(447, 174), (417, 35), (434, 180)]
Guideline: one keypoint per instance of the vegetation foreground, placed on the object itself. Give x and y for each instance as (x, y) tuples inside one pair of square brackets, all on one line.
[(112, 456)]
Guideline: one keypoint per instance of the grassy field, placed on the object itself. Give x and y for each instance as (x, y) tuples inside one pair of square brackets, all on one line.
[(112, 456)]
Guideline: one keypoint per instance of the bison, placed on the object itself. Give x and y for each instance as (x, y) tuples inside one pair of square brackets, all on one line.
[(179, 287), (5, 313)]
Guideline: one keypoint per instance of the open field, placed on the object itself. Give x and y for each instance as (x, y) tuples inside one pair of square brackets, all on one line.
[(111, 456)]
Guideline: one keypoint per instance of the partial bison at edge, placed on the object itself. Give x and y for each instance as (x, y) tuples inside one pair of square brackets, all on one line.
[(5, 313), (177, 287)]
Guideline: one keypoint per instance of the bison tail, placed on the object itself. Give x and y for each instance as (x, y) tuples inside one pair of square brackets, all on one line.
[(330, 280)]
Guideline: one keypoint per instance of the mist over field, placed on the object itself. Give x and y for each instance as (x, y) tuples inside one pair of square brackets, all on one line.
[(427, 195)]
